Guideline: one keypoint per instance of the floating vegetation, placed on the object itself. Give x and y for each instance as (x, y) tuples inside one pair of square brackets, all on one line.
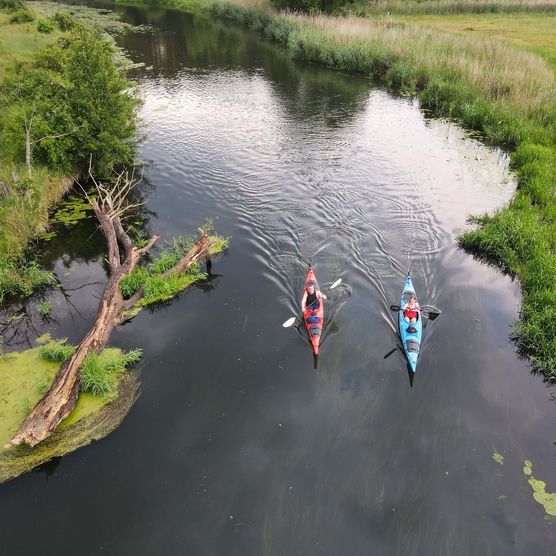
[(546, 499), (71, 210), (498, 458), (44, 308)]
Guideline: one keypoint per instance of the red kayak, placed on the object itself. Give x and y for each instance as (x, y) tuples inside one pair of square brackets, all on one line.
[(314, 318)]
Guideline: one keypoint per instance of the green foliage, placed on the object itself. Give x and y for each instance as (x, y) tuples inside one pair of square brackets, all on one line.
[(152, 280), (10, 6), (22, 16), (71, 210), (126, 359), (134, 281), (45, 26), (44, 308), (312, 6), (94, 376), (82, 105), (171, 254), (98, 370), (56, 351), (21, 278), (64, 21)]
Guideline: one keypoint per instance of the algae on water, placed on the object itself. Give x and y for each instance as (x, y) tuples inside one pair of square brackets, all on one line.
[(24, 377), (546, 499), (498, 458)]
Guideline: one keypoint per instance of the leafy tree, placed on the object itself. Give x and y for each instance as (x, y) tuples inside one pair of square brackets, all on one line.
[(71, 103)]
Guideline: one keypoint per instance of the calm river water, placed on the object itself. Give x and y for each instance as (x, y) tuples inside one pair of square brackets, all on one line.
[(237, 446)]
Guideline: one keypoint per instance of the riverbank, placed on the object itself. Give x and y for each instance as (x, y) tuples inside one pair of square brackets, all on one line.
[(54, 116), (503, 92)]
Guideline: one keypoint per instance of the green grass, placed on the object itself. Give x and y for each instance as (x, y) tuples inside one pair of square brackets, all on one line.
[(24, 378), (18, 43), (56, 351), (99, 372), (536, 33), (161, 288), (453, 7)]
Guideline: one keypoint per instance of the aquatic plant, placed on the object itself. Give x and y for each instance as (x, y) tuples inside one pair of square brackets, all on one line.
[(97, 372), (44, 308), (546, 499), (56, 351)]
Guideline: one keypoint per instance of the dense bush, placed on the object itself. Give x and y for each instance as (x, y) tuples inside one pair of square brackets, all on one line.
[(82, 105), (22, 16), (45, 26), (64, 21)]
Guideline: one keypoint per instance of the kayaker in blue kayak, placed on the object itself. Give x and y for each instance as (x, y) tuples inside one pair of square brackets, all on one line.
[(310, 300), (411, 312)]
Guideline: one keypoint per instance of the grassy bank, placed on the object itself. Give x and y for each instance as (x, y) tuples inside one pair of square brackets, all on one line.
[(506, 93), (23, 214), (453, 7), (25, 376), (57, 108)]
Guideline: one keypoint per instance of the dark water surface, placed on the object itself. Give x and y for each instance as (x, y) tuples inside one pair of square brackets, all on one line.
[(237, 446)]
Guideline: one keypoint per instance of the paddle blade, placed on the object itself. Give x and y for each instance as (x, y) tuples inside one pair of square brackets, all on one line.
[(390, 353), (433, 316), (336, 283), (394, 307), (289, 322)]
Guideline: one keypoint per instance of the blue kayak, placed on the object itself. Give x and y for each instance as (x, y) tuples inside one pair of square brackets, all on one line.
[(410, 334)]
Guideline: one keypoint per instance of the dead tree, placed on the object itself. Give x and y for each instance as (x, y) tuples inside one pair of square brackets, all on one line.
[(109, 204)]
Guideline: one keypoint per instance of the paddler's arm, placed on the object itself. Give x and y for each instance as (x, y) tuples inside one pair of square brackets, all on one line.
[(303, 301), (320, 295)]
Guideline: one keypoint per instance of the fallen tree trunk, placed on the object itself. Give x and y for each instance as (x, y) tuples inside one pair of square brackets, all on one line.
[(60, 398), (200, 249)]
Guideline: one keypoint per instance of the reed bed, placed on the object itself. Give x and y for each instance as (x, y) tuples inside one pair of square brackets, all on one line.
[(454, 7)]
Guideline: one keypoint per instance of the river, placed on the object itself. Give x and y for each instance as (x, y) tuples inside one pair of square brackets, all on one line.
[(237, 445)]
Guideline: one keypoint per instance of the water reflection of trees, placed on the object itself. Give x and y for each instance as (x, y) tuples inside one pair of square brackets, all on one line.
[(305, 91)]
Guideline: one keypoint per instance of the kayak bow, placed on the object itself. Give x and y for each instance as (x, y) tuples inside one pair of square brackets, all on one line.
[(313, 319), (411, 340)]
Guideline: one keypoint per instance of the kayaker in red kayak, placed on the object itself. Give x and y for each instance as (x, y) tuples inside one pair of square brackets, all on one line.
[(310, 301)]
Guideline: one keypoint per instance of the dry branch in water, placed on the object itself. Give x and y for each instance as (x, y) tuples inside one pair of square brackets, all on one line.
[(110, 204)]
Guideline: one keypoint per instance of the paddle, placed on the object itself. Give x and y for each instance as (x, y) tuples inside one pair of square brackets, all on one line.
[(291, 320), (430, 314)]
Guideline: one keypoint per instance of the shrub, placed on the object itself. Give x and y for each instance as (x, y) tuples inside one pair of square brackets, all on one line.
[(22, 16), (45, 26), (82, 105), (64, 21)]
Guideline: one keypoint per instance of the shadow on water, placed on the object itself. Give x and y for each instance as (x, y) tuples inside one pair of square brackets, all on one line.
[(48, 468)]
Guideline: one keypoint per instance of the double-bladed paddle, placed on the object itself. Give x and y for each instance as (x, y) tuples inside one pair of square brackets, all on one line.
[(291, 320)]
